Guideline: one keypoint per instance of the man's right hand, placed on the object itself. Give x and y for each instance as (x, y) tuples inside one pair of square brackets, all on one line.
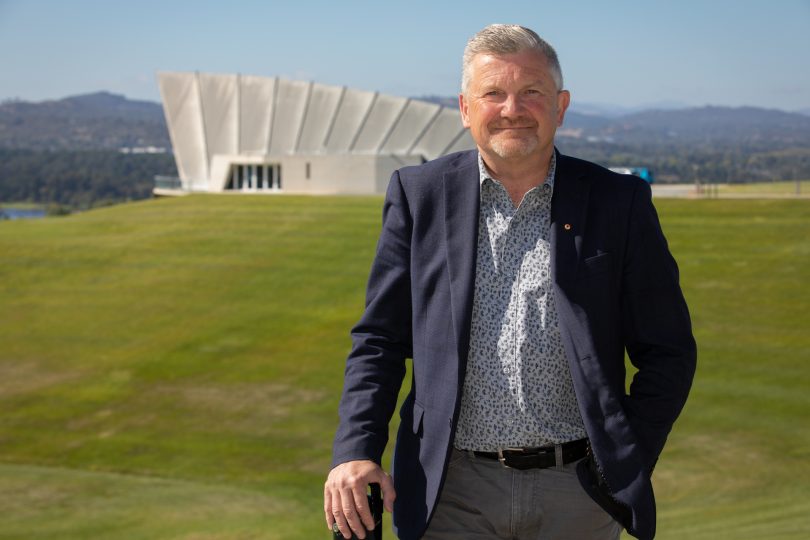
[(344, 496)]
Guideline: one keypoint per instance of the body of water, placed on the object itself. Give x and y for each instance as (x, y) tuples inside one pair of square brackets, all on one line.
[(21, 213)]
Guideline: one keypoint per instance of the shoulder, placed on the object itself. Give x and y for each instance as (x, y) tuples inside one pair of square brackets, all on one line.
[(438, 167), (599, 178), (421, 188)]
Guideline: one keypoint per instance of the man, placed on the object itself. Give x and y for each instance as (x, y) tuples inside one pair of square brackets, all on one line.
[(515, 278)]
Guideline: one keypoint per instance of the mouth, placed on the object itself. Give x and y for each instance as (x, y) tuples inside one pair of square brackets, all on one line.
[(510, 128)]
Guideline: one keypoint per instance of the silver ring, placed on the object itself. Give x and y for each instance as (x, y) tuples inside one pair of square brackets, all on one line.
[(335, 527)]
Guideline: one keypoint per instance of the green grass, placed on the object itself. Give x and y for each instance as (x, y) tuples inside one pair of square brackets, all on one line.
[(765, 188), (171, 368), (738, 464)]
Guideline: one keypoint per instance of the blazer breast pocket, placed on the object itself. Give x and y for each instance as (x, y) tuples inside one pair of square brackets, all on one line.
[(593, 266)]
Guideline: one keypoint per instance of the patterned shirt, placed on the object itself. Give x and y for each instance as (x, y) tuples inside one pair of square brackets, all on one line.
[(517, 389)]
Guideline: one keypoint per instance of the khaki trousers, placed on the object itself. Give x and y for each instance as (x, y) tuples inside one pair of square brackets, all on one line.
[(482, 499)]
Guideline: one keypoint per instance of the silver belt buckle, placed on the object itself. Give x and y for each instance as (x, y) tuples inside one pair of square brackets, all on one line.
[(502, 459)]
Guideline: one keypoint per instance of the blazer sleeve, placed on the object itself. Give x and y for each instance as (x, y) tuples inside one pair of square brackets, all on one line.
[(657, 329), (381, 340)]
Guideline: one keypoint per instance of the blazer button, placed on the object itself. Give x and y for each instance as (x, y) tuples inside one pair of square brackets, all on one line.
[(567, 226)]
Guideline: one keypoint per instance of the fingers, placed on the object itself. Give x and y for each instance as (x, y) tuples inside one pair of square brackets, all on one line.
[(345, 499), (337, 518), (332, 509), (362, 507), (389, 495), (357, 515)]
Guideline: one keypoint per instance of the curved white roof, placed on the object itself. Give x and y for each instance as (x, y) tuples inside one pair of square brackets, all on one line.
[(210, 115)]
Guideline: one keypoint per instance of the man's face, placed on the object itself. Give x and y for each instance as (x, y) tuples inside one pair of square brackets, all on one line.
[(512, 105)]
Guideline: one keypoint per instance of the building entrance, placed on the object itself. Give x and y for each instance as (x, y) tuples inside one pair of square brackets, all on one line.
[(254, 177)]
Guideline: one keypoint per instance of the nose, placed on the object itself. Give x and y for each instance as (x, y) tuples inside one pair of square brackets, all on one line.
[(512, 106)]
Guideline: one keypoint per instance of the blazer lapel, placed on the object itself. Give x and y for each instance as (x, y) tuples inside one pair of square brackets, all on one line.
[(461, 203), (568, 214), (461, 207)]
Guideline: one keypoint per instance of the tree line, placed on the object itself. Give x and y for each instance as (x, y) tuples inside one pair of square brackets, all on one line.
[(717, 163), (79, 180)]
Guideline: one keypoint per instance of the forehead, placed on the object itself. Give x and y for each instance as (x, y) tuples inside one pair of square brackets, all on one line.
[(525, 67)]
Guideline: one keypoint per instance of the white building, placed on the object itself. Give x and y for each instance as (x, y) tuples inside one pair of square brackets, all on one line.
[(261, 134)]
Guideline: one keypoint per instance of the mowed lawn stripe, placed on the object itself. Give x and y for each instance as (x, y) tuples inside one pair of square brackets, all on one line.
[(199, 338), (200, 341), (45, 503)]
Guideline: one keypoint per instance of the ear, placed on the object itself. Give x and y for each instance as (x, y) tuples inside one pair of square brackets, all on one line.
[(563, 100), (463, 105)]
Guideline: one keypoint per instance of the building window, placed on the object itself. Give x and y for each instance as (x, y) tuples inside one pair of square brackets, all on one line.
[(255, 177), (308, 170)]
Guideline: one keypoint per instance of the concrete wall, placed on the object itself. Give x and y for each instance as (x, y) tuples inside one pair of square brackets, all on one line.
[(356, 174), (219, 105), (354, 107), (360, 136), (255, 113), (328, 174), (323, 106), (183, 110)]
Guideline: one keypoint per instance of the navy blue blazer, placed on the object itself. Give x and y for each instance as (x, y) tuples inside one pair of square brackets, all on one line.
[(616, 288)]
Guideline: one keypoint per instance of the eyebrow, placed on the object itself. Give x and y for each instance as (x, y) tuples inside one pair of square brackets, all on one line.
[(539, 83)]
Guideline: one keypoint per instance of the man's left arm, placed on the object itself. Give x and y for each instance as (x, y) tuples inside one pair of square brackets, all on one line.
[(657, 329)]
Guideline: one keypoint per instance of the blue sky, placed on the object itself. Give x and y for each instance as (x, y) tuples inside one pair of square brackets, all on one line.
[(625, 53)]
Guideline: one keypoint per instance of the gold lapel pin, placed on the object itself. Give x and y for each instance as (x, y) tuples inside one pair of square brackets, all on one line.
[(567, 226)]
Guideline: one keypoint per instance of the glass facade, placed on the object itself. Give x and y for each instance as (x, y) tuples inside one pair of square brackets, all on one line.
[(254, 177)]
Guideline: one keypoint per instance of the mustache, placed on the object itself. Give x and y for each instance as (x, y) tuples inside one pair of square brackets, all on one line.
[(520, 122)]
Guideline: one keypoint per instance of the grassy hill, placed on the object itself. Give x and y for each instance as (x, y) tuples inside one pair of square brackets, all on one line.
[(171, 368)]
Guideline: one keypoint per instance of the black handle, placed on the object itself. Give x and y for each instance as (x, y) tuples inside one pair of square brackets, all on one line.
[(376, 503)]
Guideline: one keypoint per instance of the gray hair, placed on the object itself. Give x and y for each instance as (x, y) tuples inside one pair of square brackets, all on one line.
[(499, 39)]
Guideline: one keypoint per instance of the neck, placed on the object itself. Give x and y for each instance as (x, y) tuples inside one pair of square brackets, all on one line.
[(520, 172)]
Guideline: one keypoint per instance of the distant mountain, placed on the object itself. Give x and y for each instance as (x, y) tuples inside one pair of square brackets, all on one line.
[(88, 122), (671, 122), (109, 121), (602, 110), (44, 146), (451, 102), (763, 129), (736, 125), (588, 122), (615, 111)]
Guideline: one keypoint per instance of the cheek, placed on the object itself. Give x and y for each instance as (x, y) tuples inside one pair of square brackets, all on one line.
[(486, 115), (548, 115)]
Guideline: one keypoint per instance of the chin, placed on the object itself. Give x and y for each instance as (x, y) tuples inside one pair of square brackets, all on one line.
[(514, 148)]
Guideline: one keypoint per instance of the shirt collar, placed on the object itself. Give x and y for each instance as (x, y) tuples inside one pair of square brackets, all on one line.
[(483, 173)]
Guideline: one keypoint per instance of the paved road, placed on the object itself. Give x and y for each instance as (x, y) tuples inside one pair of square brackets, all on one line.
[(674, 190), (688, 191)]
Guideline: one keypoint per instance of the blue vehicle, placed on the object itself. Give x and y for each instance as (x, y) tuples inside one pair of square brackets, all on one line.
[(642, 172)]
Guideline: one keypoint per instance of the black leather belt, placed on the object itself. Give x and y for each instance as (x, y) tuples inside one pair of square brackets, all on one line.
[(537, 458)]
